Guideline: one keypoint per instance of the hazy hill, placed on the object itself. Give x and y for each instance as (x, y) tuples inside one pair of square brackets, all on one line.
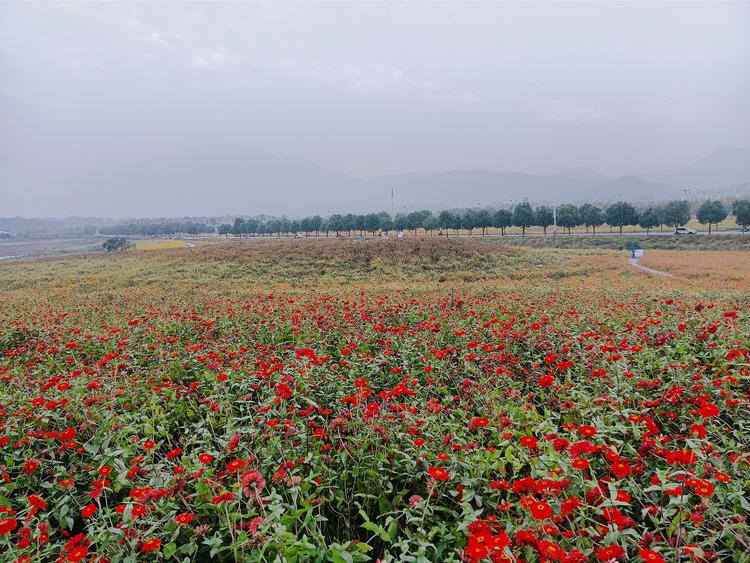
[(723, 167), (232, 180)]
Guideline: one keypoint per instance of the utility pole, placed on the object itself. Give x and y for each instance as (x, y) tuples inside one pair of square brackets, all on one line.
[(391, 202), (554, 220)]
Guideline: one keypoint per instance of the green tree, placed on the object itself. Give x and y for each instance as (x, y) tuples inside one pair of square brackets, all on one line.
[(483, 220), (502, 219), (239, 225), (620, 214), (415, 220), (711, 212), (252, 226), (544, 217), (431, 223), (348, 223), (741, 211), (446, 220), (401, 221), (359, 224), (114, 244), (386, 221), (523, 216), (372, 222), (316, 222), (469, 220), (305, 226), (675, 213), (225, 229), (336, 223), (648, 219), (591, 216), (295, 226), (457, 224), (568, 217)]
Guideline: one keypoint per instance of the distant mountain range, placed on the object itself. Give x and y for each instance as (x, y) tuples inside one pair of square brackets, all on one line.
[(231, 180), (723, 167)]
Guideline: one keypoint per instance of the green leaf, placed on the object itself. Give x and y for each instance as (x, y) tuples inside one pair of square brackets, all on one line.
[(170, 549), (381, 532)]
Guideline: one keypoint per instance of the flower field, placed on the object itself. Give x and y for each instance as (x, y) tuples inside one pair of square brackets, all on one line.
[(590, 420)]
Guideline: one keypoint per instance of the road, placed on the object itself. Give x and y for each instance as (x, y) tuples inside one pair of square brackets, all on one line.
[(637, 263)]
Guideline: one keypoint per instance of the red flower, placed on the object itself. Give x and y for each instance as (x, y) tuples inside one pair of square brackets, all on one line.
[(610, 552), (529, 442), (235, 465), (88, 510), (569, 505), (478, 422), (37, 502), (709, 410), (651, 556), (701, 487), (30, 466), (551, 550), (588, 431), (7, 525), (223, 497), (621, 469), (438, 473), (540, 510), (581, 463), (78, 553), (184, 519), (205, 458), (151, 545), (234, 441)]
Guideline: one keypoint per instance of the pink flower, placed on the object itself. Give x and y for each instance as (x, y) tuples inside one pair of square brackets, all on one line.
[(414, 500), (253, 483)]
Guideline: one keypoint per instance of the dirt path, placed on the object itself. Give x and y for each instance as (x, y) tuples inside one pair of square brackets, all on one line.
[(637, 263)]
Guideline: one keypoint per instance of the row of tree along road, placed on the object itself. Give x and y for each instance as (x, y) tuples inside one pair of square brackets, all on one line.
[(523, 216)]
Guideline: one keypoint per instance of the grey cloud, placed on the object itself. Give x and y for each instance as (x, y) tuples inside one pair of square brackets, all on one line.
[(363, 89)]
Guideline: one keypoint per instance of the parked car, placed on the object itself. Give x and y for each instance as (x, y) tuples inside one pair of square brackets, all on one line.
[(684, 231)]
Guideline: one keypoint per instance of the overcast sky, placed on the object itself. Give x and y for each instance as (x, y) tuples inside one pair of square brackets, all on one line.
[(368, 88)]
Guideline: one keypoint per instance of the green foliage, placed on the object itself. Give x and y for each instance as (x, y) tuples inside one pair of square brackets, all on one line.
[(568, 216), (711, 211), (649, 218), (591, 216), (620, 214), (544, 217), (675, 213), (741, 211), (523, 216), (502, 219), (116, 243)]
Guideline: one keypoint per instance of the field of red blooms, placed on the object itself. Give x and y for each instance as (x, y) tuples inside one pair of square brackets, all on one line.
[(519, 425)]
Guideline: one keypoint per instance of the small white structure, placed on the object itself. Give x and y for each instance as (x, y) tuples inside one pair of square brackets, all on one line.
[(638, 253)]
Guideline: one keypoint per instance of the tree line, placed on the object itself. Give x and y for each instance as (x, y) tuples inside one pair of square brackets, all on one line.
[(523, 216), (158, 229)]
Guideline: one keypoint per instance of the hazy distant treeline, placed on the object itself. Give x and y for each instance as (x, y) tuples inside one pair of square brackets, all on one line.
[(158, 229), (523, 216)]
